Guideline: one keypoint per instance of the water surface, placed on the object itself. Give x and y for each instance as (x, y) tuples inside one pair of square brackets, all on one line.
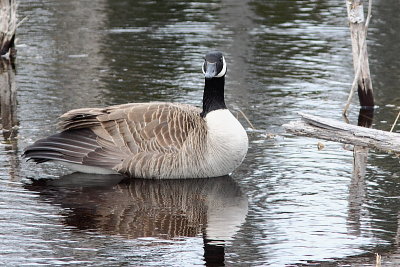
[(288, 203)]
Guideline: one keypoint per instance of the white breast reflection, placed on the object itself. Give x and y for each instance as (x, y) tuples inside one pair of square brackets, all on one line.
[(213, 208)]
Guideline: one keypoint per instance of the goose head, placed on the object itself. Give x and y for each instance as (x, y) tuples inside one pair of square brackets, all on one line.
[(214, 65), (214, 70)]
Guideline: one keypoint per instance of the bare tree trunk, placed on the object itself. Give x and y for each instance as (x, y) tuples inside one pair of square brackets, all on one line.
[(8, 115), (358, 30), (8, 100), (8, 25)]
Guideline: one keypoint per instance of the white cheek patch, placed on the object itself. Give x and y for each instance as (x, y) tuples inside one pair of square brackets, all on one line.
[(202, 68), (223, 71)]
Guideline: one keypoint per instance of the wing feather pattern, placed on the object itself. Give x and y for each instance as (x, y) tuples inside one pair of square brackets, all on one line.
[(142, 140)]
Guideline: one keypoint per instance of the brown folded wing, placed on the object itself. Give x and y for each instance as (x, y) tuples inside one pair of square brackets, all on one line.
[(131, 138)]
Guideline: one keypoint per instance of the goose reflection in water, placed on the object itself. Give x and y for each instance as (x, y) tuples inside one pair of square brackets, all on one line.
[(166, 209)]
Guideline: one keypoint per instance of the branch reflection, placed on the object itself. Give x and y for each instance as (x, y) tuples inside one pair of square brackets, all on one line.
[(357, 185)]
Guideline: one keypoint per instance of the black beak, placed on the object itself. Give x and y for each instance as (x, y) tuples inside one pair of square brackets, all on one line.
[(211, 70)]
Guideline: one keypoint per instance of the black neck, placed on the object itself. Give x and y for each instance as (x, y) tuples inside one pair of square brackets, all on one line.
[(213, 97)]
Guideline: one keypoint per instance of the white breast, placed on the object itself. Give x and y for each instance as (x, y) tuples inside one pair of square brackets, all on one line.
[(227, 143)]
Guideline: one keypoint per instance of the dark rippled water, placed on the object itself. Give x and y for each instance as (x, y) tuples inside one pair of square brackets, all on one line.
[(288, 203)]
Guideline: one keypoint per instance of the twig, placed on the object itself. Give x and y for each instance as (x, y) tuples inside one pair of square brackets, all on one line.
[(248, 121), (395, 122), (360, 58), (22, 21)]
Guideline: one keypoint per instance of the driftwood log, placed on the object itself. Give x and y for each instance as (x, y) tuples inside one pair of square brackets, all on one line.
[(333, 130)]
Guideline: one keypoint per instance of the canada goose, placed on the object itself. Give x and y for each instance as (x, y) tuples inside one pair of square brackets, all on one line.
[(152, 140)]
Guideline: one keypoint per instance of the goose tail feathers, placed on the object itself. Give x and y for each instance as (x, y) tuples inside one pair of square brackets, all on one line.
[(76, 146)]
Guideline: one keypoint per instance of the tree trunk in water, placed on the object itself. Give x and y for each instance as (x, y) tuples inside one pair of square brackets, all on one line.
[(8, 100), (355, 12), (8, 25)]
